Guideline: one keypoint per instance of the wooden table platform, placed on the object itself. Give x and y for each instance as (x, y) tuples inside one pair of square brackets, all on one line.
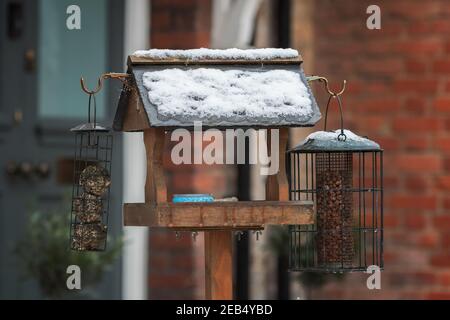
[(240, 215)]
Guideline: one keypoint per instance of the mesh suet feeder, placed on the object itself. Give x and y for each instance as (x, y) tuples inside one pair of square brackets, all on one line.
[(342, 174), (92, 170)]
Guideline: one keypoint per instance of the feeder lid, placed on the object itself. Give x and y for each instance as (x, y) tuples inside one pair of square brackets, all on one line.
[(89, 127), (336, 141), (256, 88)]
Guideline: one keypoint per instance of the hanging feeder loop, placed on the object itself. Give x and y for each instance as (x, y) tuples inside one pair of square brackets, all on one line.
[(111, 75), (327, 86), (336, 95)]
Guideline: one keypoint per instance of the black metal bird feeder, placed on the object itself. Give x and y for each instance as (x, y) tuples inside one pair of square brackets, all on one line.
[(342, 173), (90, 195)]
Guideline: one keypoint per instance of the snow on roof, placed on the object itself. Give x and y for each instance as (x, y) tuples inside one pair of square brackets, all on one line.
[(228, 96), (217, 54), (329, 140)]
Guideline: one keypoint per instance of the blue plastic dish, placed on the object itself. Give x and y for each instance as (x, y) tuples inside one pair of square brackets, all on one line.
[(177, 198)]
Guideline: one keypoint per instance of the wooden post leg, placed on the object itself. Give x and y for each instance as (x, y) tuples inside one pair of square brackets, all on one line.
[(218, 265)]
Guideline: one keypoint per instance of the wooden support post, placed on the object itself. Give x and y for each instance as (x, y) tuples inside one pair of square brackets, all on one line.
[(277, 187), (155, 184), (218, 265)]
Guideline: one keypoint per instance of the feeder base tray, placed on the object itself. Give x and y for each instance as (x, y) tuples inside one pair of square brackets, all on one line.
[(240, 215)]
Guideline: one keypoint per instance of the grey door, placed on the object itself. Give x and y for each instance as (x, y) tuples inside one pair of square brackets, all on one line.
[(41, 62)]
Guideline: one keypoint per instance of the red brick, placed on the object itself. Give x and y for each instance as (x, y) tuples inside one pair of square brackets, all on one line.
[(415, 221), (445, 240), (415, 86), (446, 202), (442, 104), (387, 143), (161, 21), (181, 182), (422, 278), (412, 11), (390, 220), (390, 182), (428, 240), (378, 105), (414, 47), (430, 27), (442, 222), (416, 143), (417, 202), (415, 105), (438, 296), (441, 260), (424, 163), (442, 144), (416, 183), (180, 40), (374, 122), (416, 124), (168, 241), (382, 66), (444, 279), (174, 281), (443, 183), (415, 66), (442, 66)]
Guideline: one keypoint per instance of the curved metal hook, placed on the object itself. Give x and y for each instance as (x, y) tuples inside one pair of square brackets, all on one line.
[(91, 92), (327, 87), (111, 75)]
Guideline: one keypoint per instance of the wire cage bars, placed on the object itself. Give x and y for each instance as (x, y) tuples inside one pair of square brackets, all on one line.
[(347, 190), (91, 182), (342, 174)]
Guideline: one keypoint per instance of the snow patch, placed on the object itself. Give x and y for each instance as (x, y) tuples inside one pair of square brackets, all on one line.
[(217, 54), (333, 135), (228, 95)]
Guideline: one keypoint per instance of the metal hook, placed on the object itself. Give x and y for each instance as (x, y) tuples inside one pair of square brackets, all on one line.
[(327, 87), (258, 233), (110, 75), (239, 235), (177, 235), (194, 235)]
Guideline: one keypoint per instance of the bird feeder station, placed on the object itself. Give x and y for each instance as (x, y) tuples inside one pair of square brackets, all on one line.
[(316, 191), (342, 173), (171, 89)]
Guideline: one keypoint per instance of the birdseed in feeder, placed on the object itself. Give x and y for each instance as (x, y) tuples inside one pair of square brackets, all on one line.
[(88, 208), (95, 180), (89, 237), (334, 209)]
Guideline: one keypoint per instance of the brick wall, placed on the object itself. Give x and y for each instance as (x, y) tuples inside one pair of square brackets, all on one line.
[(399, 95), (175, 25), (176, 268)]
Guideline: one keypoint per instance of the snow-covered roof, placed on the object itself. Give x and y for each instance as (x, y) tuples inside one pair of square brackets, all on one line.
[(334, 141), (228, 96), (218, 54), (220, 88)]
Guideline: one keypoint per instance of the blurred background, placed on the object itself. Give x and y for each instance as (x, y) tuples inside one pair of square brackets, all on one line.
[(398, 94)]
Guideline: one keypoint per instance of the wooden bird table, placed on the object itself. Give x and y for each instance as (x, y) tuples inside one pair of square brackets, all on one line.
[(217, 219)]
